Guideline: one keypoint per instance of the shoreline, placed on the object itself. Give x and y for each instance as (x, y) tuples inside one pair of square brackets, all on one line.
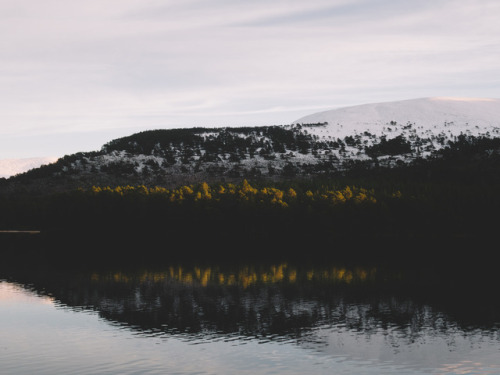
[(21, 231)]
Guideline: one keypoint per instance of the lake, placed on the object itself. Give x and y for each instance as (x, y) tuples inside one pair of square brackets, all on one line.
[(248, 318)]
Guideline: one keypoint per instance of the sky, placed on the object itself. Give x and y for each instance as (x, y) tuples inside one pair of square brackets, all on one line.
[(77, 74)]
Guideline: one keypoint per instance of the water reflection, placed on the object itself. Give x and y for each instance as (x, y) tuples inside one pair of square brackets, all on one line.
[(276, 301), (368, 319)]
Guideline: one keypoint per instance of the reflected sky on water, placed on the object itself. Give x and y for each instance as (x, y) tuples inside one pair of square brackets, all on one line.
[(259, 319)]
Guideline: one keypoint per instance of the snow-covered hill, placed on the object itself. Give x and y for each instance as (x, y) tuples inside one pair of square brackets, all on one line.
[(370, 135), (427, 124), (428, 115), (11, 167)]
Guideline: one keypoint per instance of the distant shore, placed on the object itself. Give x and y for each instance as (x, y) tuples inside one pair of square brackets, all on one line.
[(21, 231)]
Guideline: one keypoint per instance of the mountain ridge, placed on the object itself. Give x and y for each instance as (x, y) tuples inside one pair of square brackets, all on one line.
[(373, 135)]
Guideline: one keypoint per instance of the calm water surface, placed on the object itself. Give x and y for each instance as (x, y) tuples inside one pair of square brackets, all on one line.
[(248, 319)]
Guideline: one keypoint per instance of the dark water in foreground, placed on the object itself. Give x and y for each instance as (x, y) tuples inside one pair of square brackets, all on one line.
[(248, 318)]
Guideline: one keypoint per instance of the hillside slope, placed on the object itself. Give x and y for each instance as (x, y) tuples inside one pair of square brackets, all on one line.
[(455, 115), (327, 143)]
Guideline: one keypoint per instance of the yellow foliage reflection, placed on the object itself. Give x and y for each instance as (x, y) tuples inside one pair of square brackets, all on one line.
[(245, 277)]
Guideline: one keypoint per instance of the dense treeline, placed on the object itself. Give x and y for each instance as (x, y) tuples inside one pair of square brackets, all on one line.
[(397, 213), (236, 141), (223, 214), (431, 207)]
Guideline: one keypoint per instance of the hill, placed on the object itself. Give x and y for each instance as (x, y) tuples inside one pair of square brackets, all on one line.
[(324, 144), (351, 189)]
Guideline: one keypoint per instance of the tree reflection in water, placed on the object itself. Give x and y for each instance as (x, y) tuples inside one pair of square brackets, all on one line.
[(275, 301)]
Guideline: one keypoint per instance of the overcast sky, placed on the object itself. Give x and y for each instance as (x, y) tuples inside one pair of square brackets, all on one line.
[(76, 74)]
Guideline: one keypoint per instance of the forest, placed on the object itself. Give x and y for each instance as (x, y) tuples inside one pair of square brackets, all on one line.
[(437, 208), (426, 211)]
